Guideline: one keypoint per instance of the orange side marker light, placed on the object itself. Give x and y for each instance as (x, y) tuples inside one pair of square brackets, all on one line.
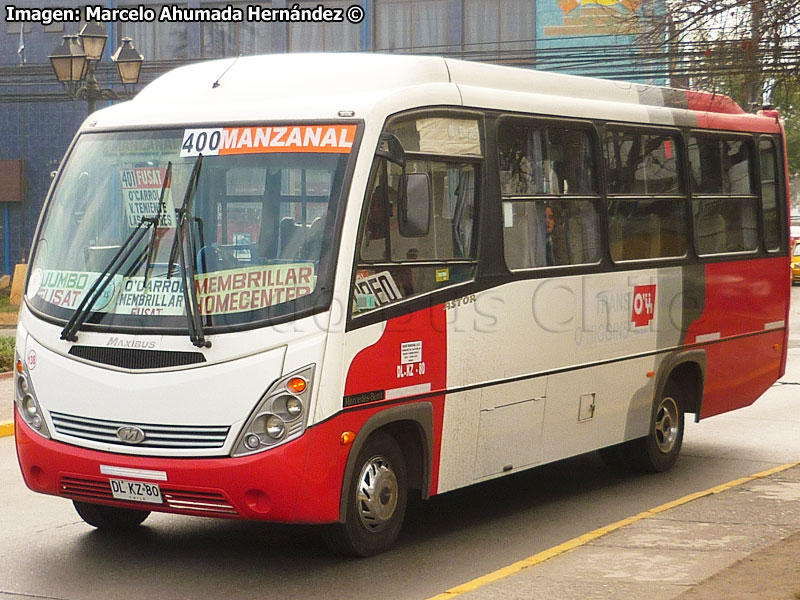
[(296, 385), (347, 438), (651, 374), (19, 366)]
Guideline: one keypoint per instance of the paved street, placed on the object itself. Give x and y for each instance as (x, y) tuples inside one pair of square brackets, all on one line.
[(46, 551)]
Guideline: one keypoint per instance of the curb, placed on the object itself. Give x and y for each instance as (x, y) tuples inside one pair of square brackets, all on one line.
[(584, 539), (6, 427)]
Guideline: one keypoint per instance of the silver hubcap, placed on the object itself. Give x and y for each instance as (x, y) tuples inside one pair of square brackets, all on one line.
[(666, 426), (377, 494)]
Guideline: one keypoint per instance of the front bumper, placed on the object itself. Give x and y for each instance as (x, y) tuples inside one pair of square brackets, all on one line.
[(284, 484)]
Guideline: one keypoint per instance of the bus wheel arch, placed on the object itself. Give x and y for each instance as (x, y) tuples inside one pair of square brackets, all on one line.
[(689, 374), (679, 390), (390, 455)]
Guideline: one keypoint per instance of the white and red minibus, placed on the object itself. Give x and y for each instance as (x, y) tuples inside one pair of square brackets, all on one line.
[(299, 288)]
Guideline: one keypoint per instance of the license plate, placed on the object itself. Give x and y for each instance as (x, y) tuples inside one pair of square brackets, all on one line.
[(135, 491)]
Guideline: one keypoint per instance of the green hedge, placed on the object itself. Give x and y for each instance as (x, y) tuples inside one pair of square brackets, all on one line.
[(7, 353)]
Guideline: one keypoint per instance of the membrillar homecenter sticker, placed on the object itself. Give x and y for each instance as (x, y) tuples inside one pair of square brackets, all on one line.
[(253, 288)]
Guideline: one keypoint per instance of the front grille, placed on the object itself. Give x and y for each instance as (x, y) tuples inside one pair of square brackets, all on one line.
[(195, 501), (156, 436), (135, 358)]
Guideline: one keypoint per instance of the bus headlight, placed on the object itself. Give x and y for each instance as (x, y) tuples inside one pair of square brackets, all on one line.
[(294, 407), (274, 427), (29, 408), (27, 404), (281, 414)]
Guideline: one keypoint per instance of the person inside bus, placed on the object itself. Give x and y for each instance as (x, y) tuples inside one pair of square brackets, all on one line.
[(373, 245), (549, 227)]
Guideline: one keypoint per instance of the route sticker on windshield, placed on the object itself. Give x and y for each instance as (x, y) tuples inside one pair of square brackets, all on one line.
[(253, 288), (221, 141), (66, 288), (141, 190), (221, 292), (378, 289)]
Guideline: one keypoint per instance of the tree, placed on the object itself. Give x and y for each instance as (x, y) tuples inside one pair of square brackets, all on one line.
[(710, 44)]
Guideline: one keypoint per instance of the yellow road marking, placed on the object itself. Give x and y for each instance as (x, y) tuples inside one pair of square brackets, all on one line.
[(584, 539), (6, 428)]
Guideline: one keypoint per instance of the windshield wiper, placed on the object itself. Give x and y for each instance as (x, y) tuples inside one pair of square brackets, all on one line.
[(180, 213), (100, 284), (187, 270), (151, 248)]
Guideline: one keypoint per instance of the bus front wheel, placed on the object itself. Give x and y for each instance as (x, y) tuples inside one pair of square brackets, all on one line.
[(109, 518), (376, 501)]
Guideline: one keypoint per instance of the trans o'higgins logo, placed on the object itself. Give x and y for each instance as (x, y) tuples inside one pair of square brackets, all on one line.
[(644, 305), (120, 343), (131, 435)]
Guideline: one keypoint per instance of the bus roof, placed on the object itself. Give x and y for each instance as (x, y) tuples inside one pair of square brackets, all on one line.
[(319, 86)]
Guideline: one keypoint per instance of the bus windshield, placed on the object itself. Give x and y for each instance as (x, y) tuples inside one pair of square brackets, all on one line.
[(261, 220)]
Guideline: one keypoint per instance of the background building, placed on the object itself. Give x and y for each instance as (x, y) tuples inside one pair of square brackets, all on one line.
[(38, 120)]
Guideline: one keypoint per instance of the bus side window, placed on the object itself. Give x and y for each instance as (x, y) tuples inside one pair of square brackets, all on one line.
[(392, 267), (769, 194), (647, 199), (724, 203), (549, 192)]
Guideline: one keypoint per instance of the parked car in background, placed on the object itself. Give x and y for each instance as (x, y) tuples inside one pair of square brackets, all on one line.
[(796, 262), (794, 230)]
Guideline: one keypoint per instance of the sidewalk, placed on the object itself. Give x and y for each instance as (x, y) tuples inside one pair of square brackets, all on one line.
[(741, 541)]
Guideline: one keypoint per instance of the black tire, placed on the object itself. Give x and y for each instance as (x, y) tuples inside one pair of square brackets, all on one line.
[(659, 449), (110, 518), (377, 495)]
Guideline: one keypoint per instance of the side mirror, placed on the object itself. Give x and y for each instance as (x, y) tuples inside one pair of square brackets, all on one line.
[(414, 214)]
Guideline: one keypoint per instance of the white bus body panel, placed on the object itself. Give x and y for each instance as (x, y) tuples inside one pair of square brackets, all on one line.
[(223, 391), (580, 370)]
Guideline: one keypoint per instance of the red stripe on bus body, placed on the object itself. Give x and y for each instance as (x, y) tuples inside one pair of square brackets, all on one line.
[(392, 362)]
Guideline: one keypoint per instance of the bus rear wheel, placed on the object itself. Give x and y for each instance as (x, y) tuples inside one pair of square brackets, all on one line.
[(109, 518), (659, 449), (377, 495)]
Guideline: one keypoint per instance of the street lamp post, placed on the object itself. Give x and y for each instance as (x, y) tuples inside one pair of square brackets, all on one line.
[(75, 59)]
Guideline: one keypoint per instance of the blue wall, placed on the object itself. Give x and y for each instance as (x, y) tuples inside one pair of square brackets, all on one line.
[(40, 131)]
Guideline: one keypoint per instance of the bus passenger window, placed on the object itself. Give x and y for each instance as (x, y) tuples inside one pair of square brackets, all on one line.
[(545, 161), (769, 194), (646, 204), (550, 197), (724, 205), (548, 233), (641, 163), (640, 229)]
